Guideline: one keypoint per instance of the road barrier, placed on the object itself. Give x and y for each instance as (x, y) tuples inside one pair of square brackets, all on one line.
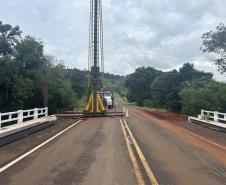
[(211, 119), (212, 116), (20, 115)]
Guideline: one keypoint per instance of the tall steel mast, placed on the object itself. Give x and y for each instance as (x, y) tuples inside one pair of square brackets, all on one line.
[(96, 57), (95, 105)]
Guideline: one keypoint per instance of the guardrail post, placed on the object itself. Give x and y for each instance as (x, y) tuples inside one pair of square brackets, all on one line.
[(127, 113), (46, 111), (202, 114), (35, 113), (0, 119), (215, 116), (20, 116), (189, 119)]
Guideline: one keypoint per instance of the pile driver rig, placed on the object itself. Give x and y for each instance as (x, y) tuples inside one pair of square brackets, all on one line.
[(95, 105)]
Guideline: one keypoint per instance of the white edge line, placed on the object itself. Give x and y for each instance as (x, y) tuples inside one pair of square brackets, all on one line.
[(36, 148)]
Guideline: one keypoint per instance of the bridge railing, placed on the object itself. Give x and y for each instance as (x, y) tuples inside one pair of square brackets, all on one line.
[(213, 116), (20, 115)]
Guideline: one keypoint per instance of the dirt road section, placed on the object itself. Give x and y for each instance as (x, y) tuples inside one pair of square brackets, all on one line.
[(182, 121), (169, 116)]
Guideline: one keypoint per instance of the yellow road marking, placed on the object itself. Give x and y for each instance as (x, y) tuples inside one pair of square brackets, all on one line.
[(136, 168), (142, 158)]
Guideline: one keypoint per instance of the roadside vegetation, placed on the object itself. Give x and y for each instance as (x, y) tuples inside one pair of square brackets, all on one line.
[(186, 90), (167, 90), (29, 78), (116, 84)]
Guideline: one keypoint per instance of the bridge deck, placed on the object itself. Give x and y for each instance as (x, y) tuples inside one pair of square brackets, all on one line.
[(95, 152)]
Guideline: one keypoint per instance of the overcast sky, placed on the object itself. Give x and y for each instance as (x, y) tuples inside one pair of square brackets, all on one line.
[(160, 33)]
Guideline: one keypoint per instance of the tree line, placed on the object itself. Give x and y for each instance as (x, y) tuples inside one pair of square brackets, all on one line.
[(29, 78), (186, 90)]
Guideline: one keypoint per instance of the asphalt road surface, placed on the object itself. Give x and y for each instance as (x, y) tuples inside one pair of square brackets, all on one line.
[(94, 152)]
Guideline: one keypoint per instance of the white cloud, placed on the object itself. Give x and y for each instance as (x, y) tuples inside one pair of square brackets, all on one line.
[(159, 33)]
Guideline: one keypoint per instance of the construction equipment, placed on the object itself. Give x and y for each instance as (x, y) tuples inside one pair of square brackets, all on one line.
[(95, 106)]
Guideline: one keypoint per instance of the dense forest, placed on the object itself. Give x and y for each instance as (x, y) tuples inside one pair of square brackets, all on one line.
[(187, 90), (29, 78)]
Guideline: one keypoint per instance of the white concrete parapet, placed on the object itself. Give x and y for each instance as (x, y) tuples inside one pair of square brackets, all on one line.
[(20, 115), (12, 129), (211, 117)]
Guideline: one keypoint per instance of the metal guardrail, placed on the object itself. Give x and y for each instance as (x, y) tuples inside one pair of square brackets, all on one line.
[(20, 115), (212, 116)]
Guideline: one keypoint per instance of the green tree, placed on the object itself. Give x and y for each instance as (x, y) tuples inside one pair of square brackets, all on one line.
[(9, 37), (164, 91), (16, 91), (7, 77), (115, 83), (28, 77), (61, 95), (188, 73), (36, 66), (78, 81), (215, 42), (138, 84), (165, 88), (29, 53), (209, 95), (22, 92), (150, 87)]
